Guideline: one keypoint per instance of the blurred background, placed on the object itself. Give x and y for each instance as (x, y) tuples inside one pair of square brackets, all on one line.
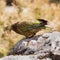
[(12, 11)]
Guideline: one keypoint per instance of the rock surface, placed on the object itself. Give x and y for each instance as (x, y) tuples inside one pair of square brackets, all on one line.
[(23, 58), (43, 47)]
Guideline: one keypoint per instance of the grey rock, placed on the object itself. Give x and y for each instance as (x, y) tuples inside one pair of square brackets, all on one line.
[(43, 47), (19, 58)]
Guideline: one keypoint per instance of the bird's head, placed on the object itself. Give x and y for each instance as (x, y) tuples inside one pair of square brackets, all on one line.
[(14, 26)]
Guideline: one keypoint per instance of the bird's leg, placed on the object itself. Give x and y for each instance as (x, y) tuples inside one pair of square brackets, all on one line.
[(31, 35)]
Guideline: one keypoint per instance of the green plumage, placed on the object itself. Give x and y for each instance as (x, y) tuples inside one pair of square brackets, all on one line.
[(28, 29)]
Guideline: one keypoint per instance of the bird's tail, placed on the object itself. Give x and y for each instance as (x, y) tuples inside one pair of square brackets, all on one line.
[(43, 21)]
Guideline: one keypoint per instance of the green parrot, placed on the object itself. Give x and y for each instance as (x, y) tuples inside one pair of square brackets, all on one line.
[(28, 29)]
